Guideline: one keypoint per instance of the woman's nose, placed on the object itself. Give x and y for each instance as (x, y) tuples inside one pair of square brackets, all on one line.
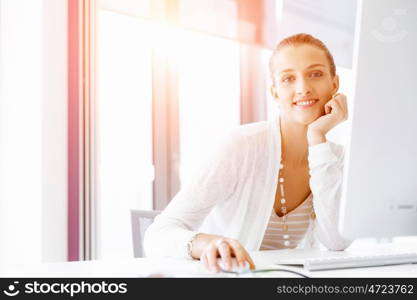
[(303, 87)]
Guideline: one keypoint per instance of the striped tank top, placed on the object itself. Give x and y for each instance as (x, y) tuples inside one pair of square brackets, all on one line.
[(276, 237)]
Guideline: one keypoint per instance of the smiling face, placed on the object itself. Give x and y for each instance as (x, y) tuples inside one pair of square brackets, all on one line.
[(303, 82)]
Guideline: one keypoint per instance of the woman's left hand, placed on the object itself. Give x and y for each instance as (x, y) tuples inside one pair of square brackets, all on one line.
[(335, 112)]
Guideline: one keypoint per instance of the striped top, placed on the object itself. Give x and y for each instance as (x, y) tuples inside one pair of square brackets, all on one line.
[(297, 221)]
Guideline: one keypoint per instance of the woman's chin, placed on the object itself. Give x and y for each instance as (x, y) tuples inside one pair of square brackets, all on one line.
[(305, 119)]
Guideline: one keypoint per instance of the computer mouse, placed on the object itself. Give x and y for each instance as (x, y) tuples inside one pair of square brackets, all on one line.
[(235, 268)]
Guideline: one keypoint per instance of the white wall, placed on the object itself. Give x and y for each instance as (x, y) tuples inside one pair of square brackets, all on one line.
[(21, 131), (33, 101), (331, 21)]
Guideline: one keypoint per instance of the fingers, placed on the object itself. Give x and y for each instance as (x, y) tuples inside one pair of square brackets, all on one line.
[(341, 100), (225, 253), (238, 252), (338, 106), (249, 260), (228, 250), (241, 254), (204, 260), (211, 255), (327, 108)]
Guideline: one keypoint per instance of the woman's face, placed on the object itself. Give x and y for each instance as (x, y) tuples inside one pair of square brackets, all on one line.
[(303, 83)]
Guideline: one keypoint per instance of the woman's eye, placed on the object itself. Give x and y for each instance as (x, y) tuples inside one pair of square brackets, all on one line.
[(287, 79), (316, 74)]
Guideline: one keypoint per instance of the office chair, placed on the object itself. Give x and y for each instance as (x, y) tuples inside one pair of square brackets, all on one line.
[(141, 219)]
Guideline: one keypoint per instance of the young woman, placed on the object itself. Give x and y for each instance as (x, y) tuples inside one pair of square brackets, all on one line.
[(272, 185)]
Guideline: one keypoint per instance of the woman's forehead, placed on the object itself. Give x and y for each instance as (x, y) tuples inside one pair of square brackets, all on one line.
[(299, 58)]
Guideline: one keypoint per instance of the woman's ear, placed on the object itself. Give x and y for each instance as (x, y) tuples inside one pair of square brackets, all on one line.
[(274, 92), (335, 84)]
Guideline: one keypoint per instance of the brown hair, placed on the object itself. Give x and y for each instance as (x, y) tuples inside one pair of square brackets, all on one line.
[(300, 39)]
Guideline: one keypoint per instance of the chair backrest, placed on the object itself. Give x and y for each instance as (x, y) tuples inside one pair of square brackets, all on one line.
[(140, 219)]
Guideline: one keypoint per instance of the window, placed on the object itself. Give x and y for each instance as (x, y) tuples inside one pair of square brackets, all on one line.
[(208, 69), (153, 120), (124, 128)]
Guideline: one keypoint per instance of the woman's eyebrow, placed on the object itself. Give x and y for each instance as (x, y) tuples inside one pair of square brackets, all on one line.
[(286, 70), (309, 67), (315, 66)]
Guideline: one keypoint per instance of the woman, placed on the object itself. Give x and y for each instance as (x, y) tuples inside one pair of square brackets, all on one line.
[(272, 185)]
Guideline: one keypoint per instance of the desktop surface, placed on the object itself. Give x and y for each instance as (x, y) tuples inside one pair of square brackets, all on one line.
[(170, 267)]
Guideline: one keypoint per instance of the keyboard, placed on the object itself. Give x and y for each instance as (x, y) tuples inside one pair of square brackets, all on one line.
[(356, 261)]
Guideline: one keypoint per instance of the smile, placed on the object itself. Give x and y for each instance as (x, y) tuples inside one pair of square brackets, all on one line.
[(306, 103)]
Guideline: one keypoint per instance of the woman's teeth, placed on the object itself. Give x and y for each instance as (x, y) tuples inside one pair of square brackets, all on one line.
[(305, 103)]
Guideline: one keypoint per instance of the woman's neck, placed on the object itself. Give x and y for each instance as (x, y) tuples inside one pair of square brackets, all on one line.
[(294, 142)]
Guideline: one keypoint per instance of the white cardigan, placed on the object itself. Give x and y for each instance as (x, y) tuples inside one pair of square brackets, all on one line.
[(233, 195)]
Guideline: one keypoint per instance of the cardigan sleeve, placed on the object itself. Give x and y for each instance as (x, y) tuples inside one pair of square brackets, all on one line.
[(171, 231), (326, 178)]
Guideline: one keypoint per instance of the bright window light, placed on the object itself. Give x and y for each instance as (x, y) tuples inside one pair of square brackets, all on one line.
[(124, 129), (209, 96)]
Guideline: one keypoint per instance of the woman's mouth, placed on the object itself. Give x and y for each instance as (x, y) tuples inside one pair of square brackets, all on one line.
[(303, 104)]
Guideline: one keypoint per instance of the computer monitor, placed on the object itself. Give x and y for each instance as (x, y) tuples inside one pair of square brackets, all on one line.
[(379, 197)]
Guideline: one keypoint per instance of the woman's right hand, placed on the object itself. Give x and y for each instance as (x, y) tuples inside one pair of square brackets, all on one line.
[(208, 248)]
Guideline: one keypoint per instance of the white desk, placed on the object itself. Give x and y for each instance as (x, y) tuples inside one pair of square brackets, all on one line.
[(142, 267)]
